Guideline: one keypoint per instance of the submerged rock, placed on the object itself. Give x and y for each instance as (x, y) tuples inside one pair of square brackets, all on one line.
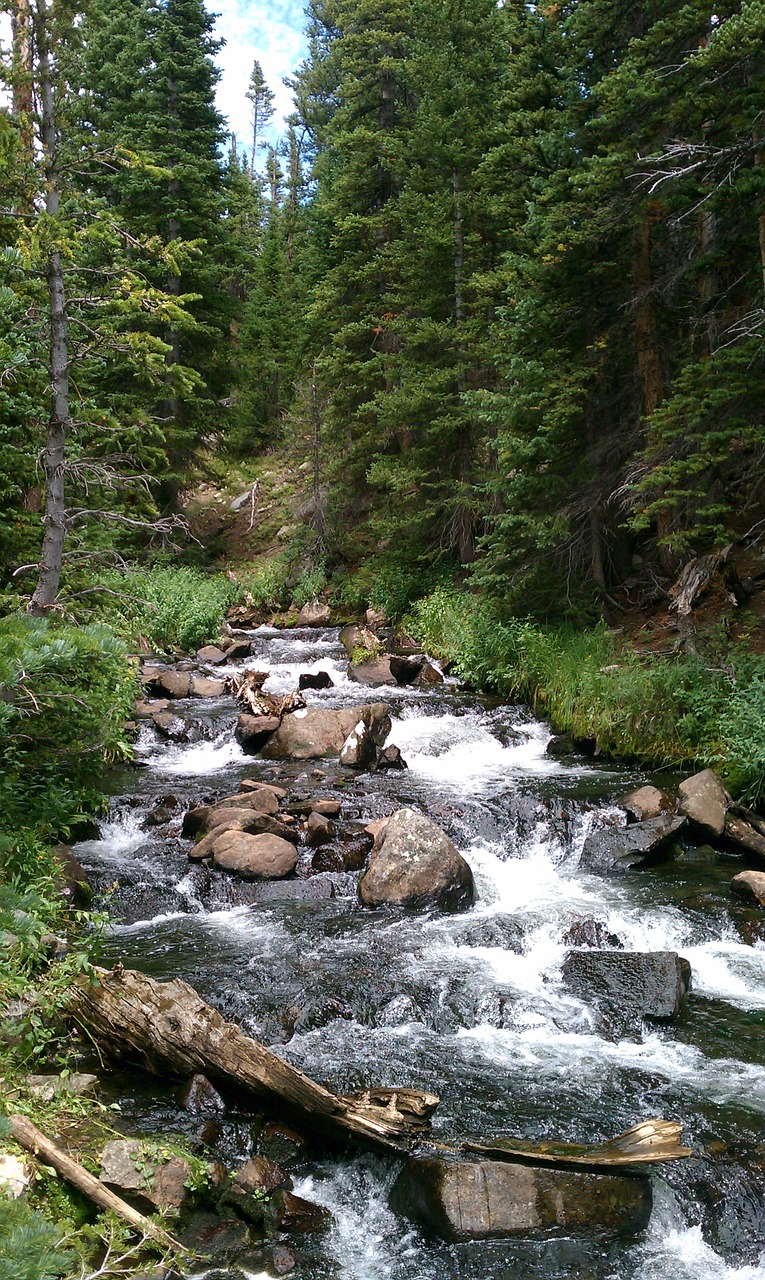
[(644, 984), (704, 801), (622, 848), (415, 864), (314, 733), (495, 1200), (201, 1098)]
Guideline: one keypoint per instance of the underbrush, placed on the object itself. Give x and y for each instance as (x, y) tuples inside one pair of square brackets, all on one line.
[(675, 710), (172, 608)]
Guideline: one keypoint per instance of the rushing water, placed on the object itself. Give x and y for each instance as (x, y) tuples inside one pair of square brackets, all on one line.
[(468, 1006)]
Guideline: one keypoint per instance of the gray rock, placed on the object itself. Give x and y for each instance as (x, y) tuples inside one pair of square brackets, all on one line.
[(704, 801), (126, 1166), (416, 865), (212, 655), (391, 758), (374, 672), (622, 848), (49, 1087), (145, 708), (14, 1177), (629, 984), (315, 733), (406, 670), (314, 614), (750, 885), (496, 1200), (243, 500), (170, 726), (238, 649)]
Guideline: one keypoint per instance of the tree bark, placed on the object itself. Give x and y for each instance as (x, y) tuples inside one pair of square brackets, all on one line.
[(172, 1030), (51, 560), (759, 160), (23, 64)]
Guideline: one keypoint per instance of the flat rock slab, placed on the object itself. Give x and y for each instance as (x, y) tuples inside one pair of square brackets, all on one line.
[(414, 864), (622, 848), (212, 655), (496, 1200), (263, 857), (315, 733), (646, 984), (126, 1166), (704, 800), (202, 687)]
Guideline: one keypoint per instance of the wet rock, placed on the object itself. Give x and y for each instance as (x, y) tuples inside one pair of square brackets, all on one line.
[(173, 684), (622, 848), (260, 1176), (349, 856), (406, 670), (77, 1085), (376, 830), (319, 830), (14, 1178), (646, 802), (561, 744), (704, 801), (212, 655), (261, 857), (750, 885), (202, 687), (592, 933), (238, 649), (287, 1212), (314, 614), (216, 1238), (254, 784), (314, 733), (201, 1098), (315, 680), (144, 903), (373, 672), (391, 758), (282, 1144), (145, 708), (316, 888), (359, 751), (158, 816), (495, 931), (646, 984), (493, 1200), (238, 820), (72, 879), (252, 732), (170, 726), (429, 675), (416, 865), (283, 1259), (327, 808)]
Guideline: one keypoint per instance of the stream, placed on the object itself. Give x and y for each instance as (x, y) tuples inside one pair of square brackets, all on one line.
[(468, 1006)]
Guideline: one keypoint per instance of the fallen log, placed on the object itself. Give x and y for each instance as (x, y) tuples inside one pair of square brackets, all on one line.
[(171, 1029), (650, 1142), (31, 1139)]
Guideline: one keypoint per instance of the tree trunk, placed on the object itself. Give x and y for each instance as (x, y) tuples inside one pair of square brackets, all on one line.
[(23, 97), (318, 506), (51, 560), (759, 160), (172, 1030)]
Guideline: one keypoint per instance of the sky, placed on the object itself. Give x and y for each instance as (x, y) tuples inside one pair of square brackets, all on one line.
[(272, 32)]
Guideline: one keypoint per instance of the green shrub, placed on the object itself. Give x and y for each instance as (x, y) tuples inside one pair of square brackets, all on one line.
[(266, 586), (29, 1245), (65, 695), (172, 608)]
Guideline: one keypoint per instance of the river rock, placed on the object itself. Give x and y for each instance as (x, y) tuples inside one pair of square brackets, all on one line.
[(327, 808), (254, 784), (406, 670), (315, 680), (287, 1212), (145, 708), (212, 655), (203, 687), (319, 830), (126, 1166), (429, 675), (750, 885), (359, 751), (375, 671), (173, 684), (590, 932), (391, 758), (247, 823), (77, 1085), (262, 857), (646, 984), (71, 878), (704, 801), (252, 732), (315, 733), (622, 848), (416, 865), (170, 726), (238, 649), (376, 618), (494, 1200), (201, 1098), (206, 816), (14, 1177), (261, 1176), (646, 802), (314, 614)]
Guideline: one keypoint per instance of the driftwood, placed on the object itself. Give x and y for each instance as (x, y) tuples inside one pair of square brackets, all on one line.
[(650, 1142), (744, 834), (173, 1031), (31, 1139), (248, 688)]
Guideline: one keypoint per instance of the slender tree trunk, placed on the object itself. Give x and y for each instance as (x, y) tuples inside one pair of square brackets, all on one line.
[(51, 560), (173, 233), (318, 506), (759, 160), (23, 96)]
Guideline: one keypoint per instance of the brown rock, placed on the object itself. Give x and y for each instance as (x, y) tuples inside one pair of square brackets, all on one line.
[(376, 830), (376, 671), (238, 649), (212, 655), (175, 684), (201, 687), (493, 1200), (147, 707), (253, 732), (319, 830), (314, 614), (704, 801), (314, 733), (249, 824), (261, 1176), (359, 751), (429, 675), (262, 857), (750, 885), (315, 680), (416, 865), (170, 726), (126, 1166), (292, 1213), (328, 808), (646, 802), (252, 784)]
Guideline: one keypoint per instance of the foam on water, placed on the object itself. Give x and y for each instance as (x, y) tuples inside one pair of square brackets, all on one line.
[(463, 753), (199, 758), (671, 1250)]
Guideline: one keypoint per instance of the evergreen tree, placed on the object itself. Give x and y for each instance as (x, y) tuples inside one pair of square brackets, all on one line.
[(262, 99)]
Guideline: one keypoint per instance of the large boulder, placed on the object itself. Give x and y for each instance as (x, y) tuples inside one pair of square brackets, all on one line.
[(750, 885), (704, 801), (646, 802), (624, 985), (359, 751), (202, 687), (168, 684), (373, 671), (262, 857), (314, 614), (622, 848), (416, 865), (245, 822), (315, 733), (127, 1166), (495, 1200), (252, 732)]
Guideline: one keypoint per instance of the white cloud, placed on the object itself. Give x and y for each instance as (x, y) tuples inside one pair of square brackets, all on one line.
[(272, 33)]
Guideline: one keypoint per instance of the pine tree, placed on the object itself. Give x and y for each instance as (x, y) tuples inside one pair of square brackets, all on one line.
[(262, 99)]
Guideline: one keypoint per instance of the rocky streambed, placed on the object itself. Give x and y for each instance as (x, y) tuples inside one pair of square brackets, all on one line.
[(556, 991)]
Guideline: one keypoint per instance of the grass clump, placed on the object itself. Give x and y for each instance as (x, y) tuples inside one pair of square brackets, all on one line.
[(704, 711), (171, 608)]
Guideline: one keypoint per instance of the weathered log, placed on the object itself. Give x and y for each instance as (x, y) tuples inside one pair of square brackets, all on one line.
[(31, 1139), (172, 1030), (248, 688), (650, 1142)]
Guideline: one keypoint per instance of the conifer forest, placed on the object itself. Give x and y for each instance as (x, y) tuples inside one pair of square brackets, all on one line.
[(382, 642)]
